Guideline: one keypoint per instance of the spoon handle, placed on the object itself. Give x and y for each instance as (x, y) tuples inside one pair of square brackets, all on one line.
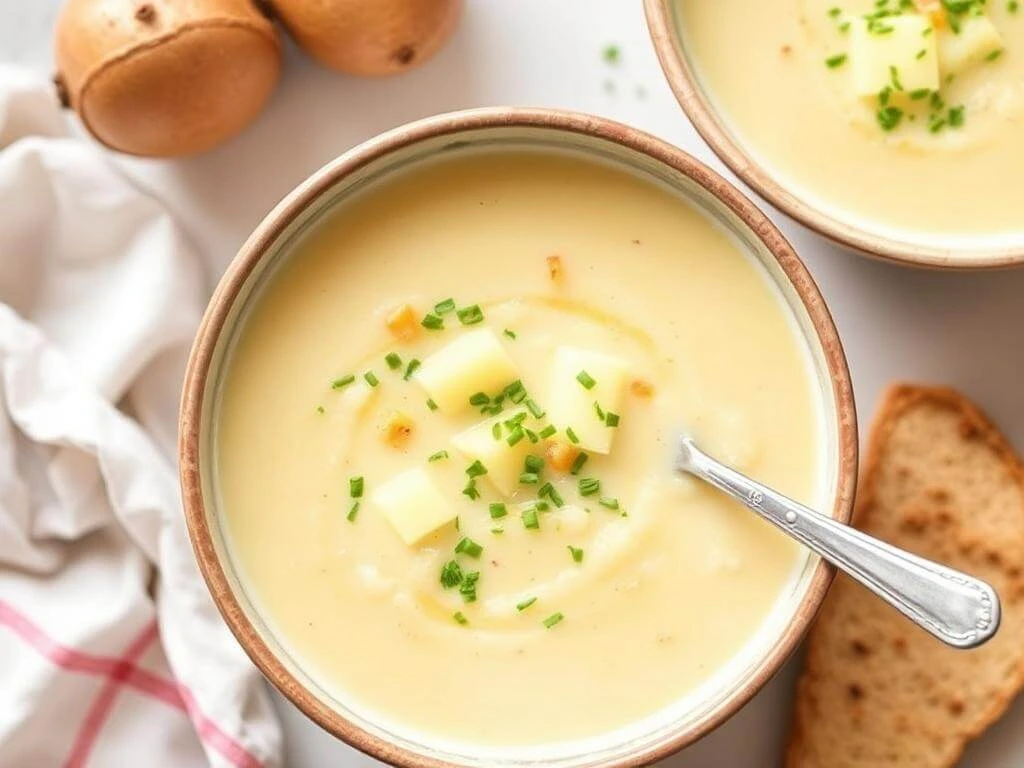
[(956, 608)]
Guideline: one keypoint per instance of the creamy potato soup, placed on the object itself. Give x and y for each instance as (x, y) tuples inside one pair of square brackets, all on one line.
[(905, 117), (445, 445)]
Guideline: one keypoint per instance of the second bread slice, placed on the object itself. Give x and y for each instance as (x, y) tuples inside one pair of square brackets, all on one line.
[(941, 481)]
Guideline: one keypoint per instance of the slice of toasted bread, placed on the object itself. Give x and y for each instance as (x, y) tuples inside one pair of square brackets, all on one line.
[(875, 690)]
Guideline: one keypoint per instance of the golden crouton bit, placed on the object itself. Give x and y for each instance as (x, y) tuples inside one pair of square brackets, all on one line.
[(555, 268), (560, 456), (933, 10), (401, 321), (397, 429), (641, 388)]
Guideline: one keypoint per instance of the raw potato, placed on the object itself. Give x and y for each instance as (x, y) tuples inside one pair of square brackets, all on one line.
[(369, 37), (163, 78)]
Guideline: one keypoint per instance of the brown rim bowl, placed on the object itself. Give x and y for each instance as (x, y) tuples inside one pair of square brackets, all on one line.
[(698, 106), (397, 151)]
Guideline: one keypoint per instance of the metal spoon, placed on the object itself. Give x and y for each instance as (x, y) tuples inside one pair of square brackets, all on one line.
[(956, 608)]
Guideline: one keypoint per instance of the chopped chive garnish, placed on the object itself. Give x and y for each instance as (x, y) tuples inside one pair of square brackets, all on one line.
[(955, 116), (470, 315), (529, 478), (611, 54), (468, 547), (410, 369), (585, 379), (470, 490), (516, 391), (468, 587), (530, 519), (431, 404), (535, 409), (921, 54), (894, 76), (571, 435), (553, 619), (577, 554), (533, 463), (889, 117), (344, 381), (371, 378), (353, 511), (496, 430), (599, 411), (549, 491), (589, 486), (498, 510), (460, 618), (608, 502), (497, 531), (432, 322), (393, 360), (444, 307), (578, 463), (355, 487), (919, 93), (476, 469), (451, 574), (547, 432), (515, 421), (510, 334), (611, 419), (479, 398), (458, 524), (516, 435), (526, 603), (834, 12), (835, 61), (533, 436), (442, 454), (320, 409)]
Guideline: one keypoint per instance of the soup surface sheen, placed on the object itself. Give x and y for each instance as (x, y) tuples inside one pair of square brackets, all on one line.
[(601, 605), (907, 131)]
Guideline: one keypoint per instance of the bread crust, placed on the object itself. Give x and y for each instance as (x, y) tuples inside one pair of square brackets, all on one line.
[(821, 663)]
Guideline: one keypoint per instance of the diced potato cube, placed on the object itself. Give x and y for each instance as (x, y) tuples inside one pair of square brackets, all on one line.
[(397, 429), (504, 462), (402, 322), (977, 39), (474, 362), (413, 505), (902, 58), (573, 405)]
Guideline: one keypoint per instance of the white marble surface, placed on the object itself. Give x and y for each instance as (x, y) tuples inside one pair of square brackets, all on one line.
[(959, 329)]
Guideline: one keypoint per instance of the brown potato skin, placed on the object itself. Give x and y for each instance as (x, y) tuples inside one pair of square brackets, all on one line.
[(164, 78), (369, 37)]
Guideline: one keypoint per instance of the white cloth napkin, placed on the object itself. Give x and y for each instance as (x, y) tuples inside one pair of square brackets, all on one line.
[(111, 652)]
